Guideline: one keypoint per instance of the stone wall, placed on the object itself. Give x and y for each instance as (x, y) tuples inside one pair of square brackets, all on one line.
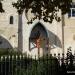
[(69, 33), (9, 31)]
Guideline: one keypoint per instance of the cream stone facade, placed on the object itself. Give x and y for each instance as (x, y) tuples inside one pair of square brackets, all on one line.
[(20, 34)]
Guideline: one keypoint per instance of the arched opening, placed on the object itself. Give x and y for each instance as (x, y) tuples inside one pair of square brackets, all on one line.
[(4, 43), (38, 32)]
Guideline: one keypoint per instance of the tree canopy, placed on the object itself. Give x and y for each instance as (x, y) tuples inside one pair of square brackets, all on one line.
[(43, 9), (1, 7)]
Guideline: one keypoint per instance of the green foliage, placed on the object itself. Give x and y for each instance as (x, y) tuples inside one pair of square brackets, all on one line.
[(7, 51), (70, 60), (42, 66), (43, 9), (13, 64)]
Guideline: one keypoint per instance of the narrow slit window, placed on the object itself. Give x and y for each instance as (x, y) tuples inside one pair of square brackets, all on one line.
[(11, 19)]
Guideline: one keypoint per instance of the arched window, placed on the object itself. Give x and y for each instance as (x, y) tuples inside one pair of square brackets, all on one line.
[(11, 19), (38, 37)]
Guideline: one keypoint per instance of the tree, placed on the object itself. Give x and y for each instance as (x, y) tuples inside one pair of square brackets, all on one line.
[(1, 7), (44, 9)]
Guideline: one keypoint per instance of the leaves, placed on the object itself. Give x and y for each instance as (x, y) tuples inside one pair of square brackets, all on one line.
[(43, 9)]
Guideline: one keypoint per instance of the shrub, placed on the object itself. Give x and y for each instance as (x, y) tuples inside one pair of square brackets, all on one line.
[(43, 66), (9, 52), (46, 65)]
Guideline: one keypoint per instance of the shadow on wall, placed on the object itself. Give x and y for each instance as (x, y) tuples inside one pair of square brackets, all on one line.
[(54, 40), (4, 43)]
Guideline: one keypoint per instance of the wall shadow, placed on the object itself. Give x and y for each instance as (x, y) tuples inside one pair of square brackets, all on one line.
[(54, 40), (4, 43)]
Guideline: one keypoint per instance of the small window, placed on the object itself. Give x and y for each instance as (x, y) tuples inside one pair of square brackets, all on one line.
[(72, 11), (0, 42), (11, 19)]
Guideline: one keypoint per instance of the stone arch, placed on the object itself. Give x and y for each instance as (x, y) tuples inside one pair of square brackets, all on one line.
[(4, 43), (34, 24), (38, 30)]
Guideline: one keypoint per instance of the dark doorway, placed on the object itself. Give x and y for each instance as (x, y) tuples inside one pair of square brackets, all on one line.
[(38, 32)]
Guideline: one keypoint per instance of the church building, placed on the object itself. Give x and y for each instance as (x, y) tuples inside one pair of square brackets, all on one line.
[(38, 37)]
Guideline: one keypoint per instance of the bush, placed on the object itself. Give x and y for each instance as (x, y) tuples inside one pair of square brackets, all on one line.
[(9, 52), (46, 65), (13, 65), (42, 66)]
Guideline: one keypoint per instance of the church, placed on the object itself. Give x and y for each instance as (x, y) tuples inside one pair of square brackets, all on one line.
[(38, 37)]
